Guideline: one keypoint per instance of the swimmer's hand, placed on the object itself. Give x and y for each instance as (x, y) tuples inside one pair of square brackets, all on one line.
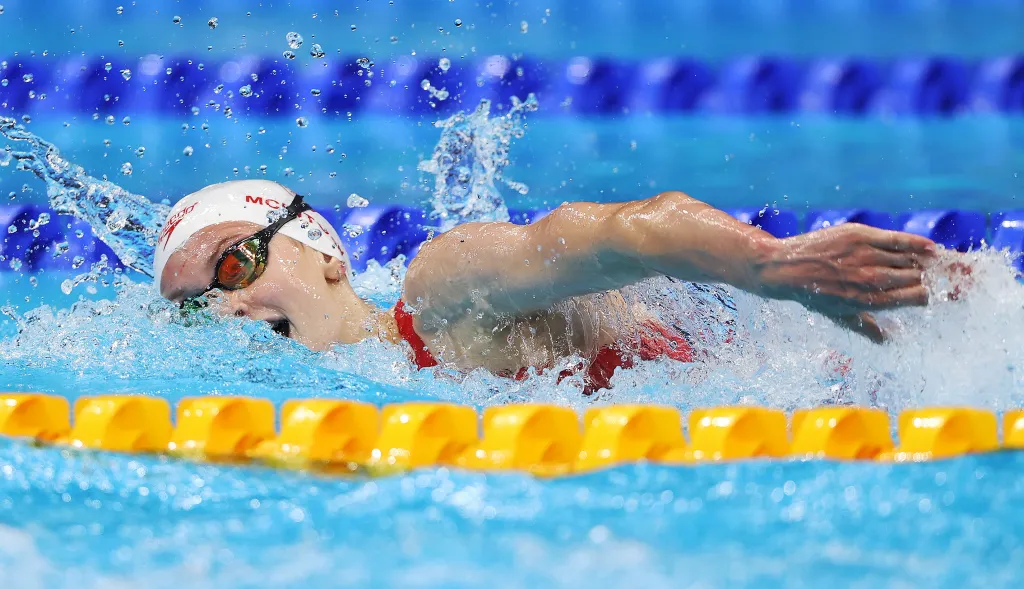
[(845, 270)]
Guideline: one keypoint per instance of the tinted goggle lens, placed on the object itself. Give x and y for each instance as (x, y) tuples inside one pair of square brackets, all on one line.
[(241, 265)]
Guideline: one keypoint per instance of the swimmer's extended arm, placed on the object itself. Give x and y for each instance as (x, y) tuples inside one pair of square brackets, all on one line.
[(582, 248)]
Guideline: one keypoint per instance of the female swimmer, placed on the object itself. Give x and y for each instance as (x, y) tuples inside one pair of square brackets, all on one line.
[(493, 295)]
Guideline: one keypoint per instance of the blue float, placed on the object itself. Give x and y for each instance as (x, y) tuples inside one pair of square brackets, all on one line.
[(342, 85), (840, 86), (779, 223), (80, 252), (90, 86), (1008, 234), (830, 217), (755, 85), (669, 85), (525, 217), (399, 230), (181, 85), (924, 87), (18, 79), (954, 229), (274, 91), (397, 86), (999, 86), (593, 86), (498, 78)]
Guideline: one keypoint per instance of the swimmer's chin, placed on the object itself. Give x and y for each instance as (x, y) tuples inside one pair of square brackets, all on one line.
[(286, 328)]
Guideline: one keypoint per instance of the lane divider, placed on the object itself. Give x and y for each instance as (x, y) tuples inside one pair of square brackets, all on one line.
[(334, 435)]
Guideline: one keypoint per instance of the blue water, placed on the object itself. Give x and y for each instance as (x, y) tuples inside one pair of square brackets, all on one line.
[(799, 163), (146, 522), (100, 520)]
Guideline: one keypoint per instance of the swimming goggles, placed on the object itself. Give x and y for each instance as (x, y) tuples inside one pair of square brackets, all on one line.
[(245, 260)]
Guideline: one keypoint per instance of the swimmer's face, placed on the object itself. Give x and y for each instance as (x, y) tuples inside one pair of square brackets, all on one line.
[(296, 293)]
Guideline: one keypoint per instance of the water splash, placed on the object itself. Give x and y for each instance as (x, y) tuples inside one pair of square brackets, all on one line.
[(127, 222), (470, 158), (967, 352)]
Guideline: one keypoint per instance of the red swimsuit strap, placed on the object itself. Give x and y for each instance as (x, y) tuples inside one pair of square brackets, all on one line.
[(423, 357)]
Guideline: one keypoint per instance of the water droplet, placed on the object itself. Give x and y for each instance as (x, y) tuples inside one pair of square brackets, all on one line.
[(524, 27), (15, 264), (77, 261), (316, 51), (288, 54), (126, 74), (4, 82), (356, 202), (288, 172), (352, 230), (425, 84), (107, 141), (213, 22), (263, 169), (187, 151), (302, 122), (353, 27), (177, 20), (441, 94), (110, 119), (314, 233), (26, 119), (294, 40), (255, 77), (444, 64), (127, 121), (12, 229), (394, 39), (364, 63), (140, 152), (60, 248), (261, 131), (315, 92), (245, 91), (27, 78), (458, 22), (126, 169), (66, 286), (330, 149), (79, 233)]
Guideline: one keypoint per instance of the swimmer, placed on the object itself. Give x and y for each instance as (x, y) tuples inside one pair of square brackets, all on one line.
[(507, 297)]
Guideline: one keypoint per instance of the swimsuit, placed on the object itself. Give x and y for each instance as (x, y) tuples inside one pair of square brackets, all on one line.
[(653, 341)]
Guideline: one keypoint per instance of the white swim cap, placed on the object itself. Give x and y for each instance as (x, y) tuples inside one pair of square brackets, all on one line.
[(243, 200)]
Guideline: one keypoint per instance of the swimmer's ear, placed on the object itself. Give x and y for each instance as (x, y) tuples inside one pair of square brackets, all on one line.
[(333, 270)]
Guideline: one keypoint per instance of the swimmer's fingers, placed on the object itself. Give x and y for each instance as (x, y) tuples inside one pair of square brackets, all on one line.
[(907, 296), (898, 241), (888, 259), (892, 278), (864, 324)]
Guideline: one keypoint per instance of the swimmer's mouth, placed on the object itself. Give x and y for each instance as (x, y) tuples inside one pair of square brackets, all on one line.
[(281, 326)]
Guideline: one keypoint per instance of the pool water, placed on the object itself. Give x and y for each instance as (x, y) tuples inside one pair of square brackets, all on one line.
[(103, 520)]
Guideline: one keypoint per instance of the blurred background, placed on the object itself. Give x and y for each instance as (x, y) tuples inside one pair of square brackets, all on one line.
[(896, 106)]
